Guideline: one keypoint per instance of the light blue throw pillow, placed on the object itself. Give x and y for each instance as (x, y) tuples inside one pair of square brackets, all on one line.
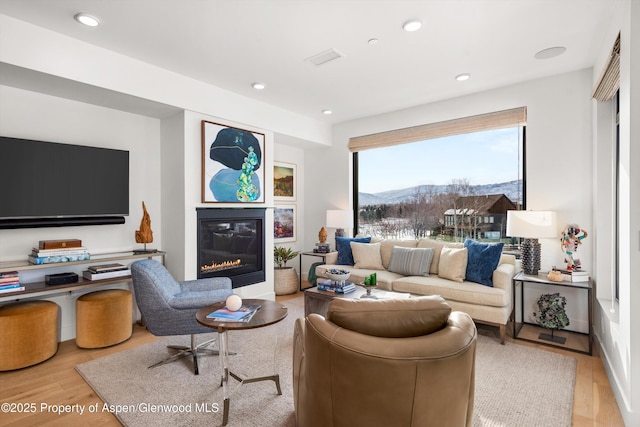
[(483, 259), (411, 261), (343, 245)]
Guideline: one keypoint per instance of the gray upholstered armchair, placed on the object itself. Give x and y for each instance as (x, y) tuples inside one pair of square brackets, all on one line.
[(397, 362), (169, 307)]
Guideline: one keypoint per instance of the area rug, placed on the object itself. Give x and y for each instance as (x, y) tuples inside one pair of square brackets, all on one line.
[(516, 385)]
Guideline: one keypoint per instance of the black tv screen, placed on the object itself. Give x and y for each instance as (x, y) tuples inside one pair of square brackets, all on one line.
[(41, 180)]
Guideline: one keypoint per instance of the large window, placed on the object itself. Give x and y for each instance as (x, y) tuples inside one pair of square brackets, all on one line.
[(449, 187)]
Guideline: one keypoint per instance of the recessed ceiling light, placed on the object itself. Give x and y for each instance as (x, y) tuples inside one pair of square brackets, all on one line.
[(551, 52), (86, 19), (258, 85), (326, 112), (462, 77), (412, 25)]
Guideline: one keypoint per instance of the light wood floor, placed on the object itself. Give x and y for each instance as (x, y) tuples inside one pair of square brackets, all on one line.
[(55, 382)]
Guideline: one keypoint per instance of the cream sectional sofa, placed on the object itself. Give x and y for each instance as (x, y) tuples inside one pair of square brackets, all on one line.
[(490, 305)]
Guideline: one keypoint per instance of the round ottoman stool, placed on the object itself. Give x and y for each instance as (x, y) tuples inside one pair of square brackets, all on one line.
[(103, 318), (28, 333)]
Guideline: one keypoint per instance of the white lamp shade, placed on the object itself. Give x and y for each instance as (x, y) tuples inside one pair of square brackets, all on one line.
[(339, 219), (532, 224)]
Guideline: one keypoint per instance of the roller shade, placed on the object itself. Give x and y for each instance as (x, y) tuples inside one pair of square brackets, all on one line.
[(609, 80), (496, 120)]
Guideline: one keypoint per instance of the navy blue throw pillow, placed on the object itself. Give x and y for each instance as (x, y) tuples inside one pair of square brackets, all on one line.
[(482, 261), (343, 245)]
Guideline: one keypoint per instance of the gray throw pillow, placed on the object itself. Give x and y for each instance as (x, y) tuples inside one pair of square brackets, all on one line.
[(411, 261)]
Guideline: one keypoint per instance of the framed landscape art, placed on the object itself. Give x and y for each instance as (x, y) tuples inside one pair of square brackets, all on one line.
[(284, 224), (284, 181), (232, 164)]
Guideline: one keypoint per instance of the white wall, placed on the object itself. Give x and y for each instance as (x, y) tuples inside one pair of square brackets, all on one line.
[(293, 155), (31, 115), (615, 320)]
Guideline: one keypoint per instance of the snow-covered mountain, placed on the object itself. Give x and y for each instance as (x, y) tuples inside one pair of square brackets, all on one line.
[(510, 189)]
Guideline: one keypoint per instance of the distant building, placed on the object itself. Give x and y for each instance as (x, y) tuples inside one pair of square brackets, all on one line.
[(479, 217)]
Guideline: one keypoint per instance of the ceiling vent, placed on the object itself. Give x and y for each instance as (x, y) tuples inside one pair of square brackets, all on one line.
[(324, 57)]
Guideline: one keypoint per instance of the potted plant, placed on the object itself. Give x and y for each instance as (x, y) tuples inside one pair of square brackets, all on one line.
[(286, 278)]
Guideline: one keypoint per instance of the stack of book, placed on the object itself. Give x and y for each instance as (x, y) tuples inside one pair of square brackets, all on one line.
[(106, 271), (329, 285), (243, 314), (9, 282), (55, 251), (575, 275), (322, 248)]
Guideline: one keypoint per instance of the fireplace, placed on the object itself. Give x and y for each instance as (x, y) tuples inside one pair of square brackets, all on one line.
[(231, 244)]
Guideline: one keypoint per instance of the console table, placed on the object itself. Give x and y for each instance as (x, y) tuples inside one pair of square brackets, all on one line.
[(522, 330), (312, 254), (40, 288)]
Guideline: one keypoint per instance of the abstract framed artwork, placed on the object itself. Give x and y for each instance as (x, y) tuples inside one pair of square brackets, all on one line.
[(232, 164), (284, 181), (284, 223)]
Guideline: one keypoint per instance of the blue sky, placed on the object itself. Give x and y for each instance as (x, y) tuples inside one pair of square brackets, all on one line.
[(483, 158)]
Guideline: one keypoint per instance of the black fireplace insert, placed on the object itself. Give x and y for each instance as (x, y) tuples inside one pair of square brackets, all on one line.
[(231, 244)]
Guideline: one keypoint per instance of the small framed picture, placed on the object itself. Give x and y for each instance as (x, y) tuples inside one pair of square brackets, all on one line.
[(284, 224), (232, 164), (284, 182)]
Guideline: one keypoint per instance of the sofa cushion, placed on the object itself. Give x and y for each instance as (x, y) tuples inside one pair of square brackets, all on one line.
[(343, 245), (483, 258), (453, 263), (386, 248), (411, 261), (437, 246), (467, 292), (391, 318), (366, 255)]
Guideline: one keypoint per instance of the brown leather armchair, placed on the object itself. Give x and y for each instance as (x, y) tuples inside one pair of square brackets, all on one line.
[(398, 362)]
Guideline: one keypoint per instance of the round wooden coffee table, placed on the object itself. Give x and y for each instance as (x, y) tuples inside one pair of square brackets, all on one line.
[(270, 312)]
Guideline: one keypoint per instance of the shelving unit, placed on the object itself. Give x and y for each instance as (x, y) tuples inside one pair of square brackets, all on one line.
[(40, 288)]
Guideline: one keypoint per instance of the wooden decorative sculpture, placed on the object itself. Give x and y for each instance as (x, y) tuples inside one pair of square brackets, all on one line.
[(322, 235), (145, 234)]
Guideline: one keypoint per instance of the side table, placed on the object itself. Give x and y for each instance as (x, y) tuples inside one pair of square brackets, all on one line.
[(312, 254), (522, 330), (270, 312)]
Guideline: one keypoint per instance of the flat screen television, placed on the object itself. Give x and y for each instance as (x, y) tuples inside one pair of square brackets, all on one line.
[(44, 184)]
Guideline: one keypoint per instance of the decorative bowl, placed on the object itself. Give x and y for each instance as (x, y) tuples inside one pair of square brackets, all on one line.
[(337, 275)]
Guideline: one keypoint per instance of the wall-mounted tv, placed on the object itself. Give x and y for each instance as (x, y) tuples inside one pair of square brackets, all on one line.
[(45, 184)]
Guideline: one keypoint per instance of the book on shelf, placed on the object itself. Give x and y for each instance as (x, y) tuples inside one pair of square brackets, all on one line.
[(90, 275), (38, 260), (575, 276), (59, 244), (243, 314), (8, 290), (13, 285), (55, 252), (7, 274), (10, 279), (107, 267)]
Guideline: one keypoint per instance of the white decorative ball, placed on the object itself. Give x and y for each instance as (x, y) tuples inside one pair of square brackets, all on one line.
[(234, 302)]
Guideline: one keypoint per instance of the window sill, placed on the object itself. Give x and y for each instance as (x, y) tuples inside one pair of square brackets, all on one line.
[(610, 309)]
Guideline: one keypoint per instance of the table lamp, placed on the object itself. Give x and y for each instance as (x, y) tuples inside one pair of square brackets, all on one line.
[(531, 225), (339, 219)]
